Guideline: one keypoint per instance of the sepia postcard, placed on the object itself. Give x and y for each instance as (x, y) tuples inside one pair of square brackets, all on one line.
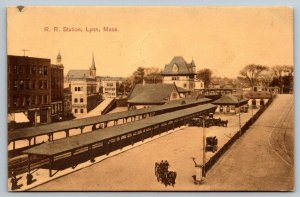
[(150, 98)]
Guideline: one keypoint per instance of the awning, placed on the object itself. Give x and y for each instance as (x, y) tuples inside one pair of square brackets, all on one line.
[(18, 117), (230, 100)]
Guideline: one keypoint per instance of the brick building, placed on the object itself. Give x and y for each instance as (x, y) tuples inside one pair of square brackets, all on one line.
[(28, 88), (35, 87), (57, 89)]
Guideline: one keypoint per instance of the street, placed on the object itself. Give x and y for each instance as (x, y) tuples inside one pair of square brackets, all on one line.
[(263, 158)]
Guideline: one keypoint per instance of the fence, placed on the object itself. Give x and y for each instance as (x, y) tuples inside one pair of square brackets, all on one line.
[(208, 165)]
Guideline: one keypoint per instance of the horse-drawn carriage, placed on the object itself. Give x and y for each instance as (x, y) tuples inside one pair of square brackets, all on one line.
[(211, 144), (163, 174), (208, 122)]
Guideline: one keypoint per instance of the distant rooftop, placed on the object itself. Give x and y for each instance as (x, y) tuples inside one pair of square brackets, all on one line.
[(151, 93), (108, 78), (78, 74), (178, 66)]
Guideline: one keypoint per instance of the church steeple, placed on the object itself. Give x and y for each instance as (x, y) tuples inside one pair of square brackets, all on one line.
[(93, 68), (58, 58)]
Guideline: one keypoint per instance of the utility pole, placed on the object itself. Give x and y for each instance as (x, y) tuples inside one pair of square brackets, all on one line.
[(204, 146), (24, 51), (240, 120)]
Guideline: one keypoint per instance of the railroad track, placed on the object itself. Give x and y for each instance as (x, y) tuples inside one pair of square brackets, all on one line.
[(277, 136)]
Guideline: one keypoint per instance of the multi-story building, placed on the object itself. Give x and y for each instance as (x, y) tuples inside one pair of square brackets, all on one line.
[(35, 90), (84, 95), (29, 91), (83, 87), (109, 86), (57, 89), (181, 73)]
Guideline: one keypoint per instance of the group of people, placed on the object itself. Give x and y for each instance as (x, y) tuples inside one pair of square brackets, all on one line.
[(163, 174)]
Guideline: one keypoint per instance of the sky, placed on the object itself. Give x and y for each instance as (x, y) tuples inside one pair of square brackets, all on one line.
[(224, 39)]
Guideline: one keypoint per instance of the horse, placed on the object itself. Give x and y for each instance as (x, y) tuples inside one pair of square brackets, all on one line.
[(163, 175), (171, 178)]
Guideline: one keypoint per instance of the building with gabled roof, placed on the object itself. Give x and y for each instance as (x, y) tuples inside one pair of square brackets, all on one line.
[(82, 73), (144, 95), (83, 87), (181, 73)]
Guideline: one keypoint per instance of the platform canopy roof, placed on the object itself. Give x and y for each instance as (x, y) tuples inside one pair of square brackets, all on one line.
[(79, 141), (230, 99), (29, 132)]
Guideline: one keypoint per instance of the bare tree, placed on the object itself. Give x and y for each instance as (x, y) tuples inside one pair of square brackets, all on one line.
[(250, 74), (266, 78), (152, 75)]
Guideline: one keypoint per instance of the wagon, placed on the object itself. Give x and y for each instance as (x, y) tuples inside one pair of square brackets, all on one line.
[(211, 144)]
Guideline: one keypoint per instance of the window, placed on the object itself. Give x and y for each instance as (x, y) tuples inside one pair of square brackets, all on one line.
[(40, 70), (23, 100), (76, 111), (33, 70), (15, 69), (184, 85), (75, 100), (45, 70), (20, 69), (174, 95), (21, 84), (15, 84), (27, 100), (33, 84), (41, 99), (81, 111), (75, 89), (28, 84), (15, 101), (45, 84), (45, 99), (81, 100), (175, 78), (40, 84), (33, 100)]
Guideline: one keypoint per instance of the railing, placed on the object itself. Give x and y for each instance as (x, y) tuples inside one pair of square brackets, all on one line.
[(109, 107)]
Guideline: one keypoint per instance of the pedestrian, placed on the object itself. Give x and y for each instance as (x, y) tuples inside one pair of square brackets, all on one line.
[(14, 181)]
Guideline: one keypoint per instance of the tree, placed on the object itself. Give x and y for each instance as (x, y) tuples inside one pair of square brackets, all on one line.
[(152, 75), (266, 79), (283, 76), (279, 72), (250, 74), (138, 75), (205, 75), (125, 87)]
